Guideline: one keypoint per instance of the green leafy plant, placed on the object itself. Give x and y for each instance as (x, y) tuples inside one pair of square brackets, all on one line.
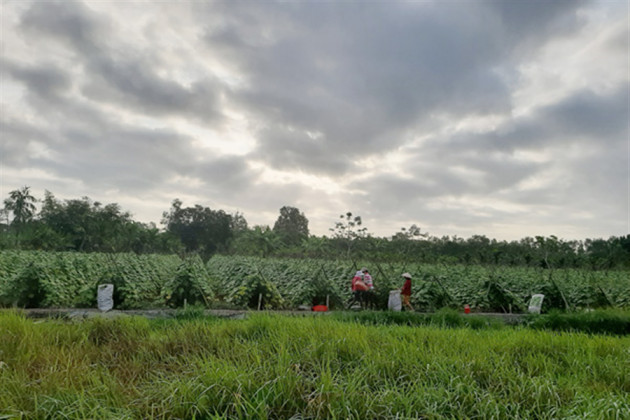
[(190, 285)]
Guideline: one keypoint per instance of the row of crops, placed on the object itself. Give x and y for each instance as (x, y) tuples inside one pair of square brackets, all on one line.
[(50, 279)]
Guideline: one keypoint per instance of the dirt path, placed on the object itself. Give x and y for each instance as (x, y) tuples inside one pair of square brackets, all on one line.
[(70, 313)]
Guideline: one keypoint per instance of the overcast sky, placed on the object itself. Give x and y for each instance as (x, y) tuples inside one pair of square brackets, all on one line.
[(505, 118)]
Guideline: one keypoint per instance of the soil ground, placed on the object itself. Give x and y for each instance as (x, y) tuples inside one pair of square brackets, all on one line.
[(69, 313)]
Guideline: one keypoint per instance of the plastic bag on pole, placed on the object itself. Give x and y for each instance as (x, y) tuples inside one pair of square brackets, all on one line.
[(535, 304), (105, 297), (394, 303)]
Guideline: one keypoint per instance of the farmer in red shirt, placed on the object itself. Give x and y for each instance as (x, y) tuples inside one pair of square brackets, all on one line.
[(358, 290), (405, 291)]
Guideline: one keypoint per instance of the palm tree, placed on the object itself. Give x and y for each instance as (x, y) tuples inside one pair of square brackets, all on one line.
[(21, 203), (264, 240)]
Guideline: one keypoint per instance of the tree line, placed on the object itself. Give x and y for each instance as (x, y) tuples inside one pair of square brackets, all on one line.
[(84, 225)]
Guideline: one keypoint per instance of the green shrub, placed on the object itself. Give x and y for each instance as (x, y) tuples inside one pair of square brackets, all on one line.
[(26, 288), (190, 285), (615, 322)]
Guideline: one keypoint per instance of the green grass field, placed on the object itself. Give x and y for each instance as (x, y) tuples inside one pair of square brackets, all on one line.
[(270, 366)]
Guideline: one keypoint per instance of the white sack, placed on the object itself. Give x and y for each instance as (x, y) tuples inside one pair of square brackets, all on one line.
[(394, 303), (535, 304), (105, 297)]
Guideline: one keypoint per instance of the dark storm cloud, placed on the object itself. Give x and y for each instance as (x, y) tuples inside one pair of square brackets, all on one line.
[(362, 76), (135, 158), (140, 160), (588, 115), (583, 143), (118, 72), (129, 83), (73, 139), (527, 22), (326, 89), (69, 22), (583, 117), (43, 79), (90, 143), (358, 78)]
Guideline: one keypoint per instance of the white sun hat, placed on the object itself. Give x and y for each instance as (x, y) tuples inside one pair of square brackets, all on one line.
[(406, 275)]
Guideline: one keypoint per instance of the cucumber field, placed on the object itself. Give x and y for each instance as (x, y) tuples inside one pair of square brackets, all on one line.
[(66, 279)]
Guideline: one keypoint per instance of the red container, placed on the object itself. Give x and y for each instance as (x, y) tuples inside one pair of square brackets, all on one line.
[(320, 308), (466, 309)]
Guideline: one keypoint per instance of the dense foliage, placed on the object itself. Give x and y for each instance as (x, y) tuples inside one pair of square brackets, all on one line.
[(199, 228), (64, 279), (86, 226), (291, 226), (484, 288)]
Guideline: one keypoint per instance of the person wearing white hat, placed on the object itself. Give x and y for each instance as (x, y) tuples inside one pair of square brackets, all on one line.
[(405, 291)]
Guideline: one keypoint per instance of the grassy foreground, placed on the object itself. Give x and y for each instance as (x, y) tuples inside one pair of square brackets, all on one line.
[(272, 366)]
